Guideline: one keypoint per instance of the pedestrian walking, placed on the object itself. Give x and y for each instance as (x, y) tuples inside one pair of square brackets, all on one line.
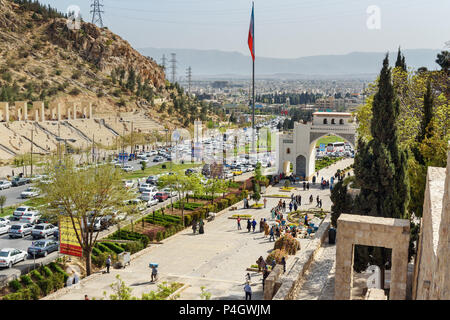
[(307, 186), (245, 203), (265, 202), (320, 203), (266, 230), (295, 206), (292, 196), (265, 275), (283, 262), (239, 223), (254, 223), (290, 206), (108, 264), (317, 200), (278, 232), (248, 291), (249, 225), (299, 200), (261, 225), (201, 225), (194, 226), (311, 199), (272, 234), (154, 273), (261, 263), (304, 185), (314, 180)]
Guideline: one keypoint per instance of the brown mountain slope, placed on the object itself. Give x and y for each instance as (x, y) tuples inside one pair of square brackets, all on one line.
[(42, 59)]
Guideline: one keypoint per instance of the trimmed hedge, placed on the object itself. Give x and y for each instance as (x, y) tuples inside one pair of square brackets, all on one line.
[(114, 247), (15, 285), (59, 270), (36, 275), (130, 235), (26, 280)]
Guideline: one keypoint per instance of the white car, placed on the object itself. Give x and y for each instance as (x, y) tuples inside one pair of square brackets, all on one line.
[(127, 168), (5, 220), (30, 192), (5, 184), (146, 187), (129, 184), (144, 160), (21, 211), (10, 256), (169, 192), (152, 202), (30, 217), (147, 196), (4, 228)]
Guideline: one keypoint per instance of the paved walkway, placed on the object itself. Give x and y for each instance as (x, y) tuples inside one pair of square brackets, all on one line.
[(216, 259)]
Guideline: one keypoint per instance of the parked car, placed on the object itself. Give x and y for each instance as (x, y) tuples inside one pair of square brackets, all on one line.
[(151, 180), (53, 221), (10, 256), (30, 217), (169, 192), (17, 214), (127, 168), (30, 192), (43, 230), (4, 228), (147, 196), (161, 196), (5, 184), (158, 159), (143, 160), (42, 247), (100, 223), (129, 184), (145, 187), (5, 220), (152, 202), (20, 230), (19, 181)]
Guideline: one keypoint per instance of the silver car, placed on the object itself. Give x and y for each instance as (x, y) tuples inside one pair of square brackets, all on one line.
[(20, 230), (5, 184), (43, 230), (10, 256)]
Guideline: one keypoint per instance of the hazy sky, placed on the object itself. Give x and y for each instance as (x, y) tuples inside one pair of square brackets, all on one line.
[(283, 28)]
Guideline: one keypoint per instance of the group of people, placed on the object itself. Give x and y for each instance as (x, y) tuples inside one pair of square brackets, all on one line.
[(198, 225)]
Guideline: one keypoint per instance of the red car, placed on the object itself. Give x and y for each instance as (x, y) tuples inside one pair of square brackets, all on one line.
[(161, 196)]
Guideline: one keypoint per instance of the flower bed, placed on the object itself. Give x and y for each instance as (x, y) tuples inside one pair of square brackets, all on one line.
[(36, 284), (191, 206), (287, 189), (257, 206), (242, 216), (284, 196)]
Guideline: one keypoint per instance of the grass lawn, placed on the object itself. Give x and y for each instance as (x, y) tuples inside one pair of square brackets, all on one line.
[(157, 169), (35, 202), (328, 139), (7, 211)]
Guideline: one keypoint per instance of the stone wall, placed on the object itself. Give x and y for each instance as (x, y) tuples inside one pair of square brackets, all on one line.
[(374, 232), (292, 281), (432, 275)]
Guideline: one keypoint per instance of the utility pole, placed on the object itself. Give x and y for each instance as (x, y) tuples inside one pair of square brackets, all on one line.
[(97, 10), (173, 61), (131, 138), (31, 152), (93, 148), (59, 142)]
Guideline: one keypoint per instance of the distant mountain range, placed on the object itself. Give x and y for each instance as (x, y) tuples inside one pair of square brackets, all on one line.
[(221, 64)]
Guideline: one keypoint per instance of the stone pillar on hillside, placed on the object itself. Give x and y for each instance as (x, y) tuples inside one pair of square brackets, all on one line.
[(5, 107), (58, 111), (68, 114), (23, 107), (90, 110), (74, 106), (38, 107)]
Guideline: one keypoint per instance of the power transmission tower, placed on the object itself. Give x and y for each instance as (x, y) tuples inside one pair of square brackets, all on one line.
[(173, 61), (189, 78), (164, 62), (97, 12)]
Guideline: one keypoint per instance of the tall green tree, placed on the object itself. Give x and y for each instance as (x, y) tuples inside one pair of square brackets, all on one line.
[(381, 169), (400, 60)]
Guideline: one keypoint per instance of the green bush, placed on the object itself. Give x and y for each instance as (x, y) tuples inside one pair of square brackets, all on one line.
[(96, 251), (103, 248), (133, 247), (15, 285), (114, 247), (129, 235), (159, 236), (46, 285), (36, 275), (46, 271), (100, 259), (59, 270), (35, 291), (59, 280), (26, 280), (187, 219)]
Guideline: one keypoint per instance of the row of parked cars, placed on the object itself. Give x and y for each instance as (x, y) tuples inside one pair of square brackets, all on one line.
[(11, 256)]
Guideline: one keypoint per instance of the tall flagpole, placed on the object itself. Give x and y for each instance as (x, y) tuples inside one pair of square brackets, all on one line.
[(253, 84)]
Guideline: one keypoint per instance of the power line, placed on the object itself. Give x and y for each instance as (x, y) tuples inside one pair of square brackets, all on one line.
[(97, 10), (189, 78), (173, 61)]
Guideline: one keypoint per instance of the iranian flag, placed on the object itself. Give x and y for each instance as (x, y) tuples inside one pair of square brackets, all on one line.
[(251, 34)]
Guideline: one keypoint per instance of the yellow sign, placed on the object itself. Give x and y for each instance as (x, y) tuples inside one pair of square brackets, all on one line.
[(68, 242)]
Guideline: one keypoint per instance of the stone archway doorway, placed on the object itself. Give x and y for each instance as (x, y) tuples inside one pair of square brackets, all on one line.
[(300, 166)]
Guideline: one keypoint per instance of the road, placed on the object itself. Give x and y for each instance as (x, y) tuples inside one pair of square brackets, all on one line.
[(13, 195)]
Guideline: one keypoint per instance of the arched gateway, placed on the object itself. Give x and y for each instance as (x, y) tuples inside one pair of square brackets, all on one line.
[(299, 146)]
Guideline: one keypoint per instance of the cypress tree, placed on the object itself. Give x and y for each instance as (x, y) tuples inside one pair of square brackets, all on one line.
[(400, 60), (380, 170)]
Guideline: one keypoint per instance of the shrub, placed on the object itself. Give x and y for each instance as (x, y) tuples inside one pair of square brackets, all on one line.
[(58, 280), (46, 271), (133, 247), (36, 275), (46, 285), (288, 244), (244, 194), (159, 236), (35, 291), (26, 280), (99, 260), (276, 254), (103, 248), (114, 247), (96, 251), (187, 219), (75, 92), (58, 269), (15, 285)]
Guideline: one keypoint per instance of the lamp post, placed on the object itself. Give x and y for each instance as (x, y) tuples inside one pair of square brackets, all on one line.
[(59, 139)]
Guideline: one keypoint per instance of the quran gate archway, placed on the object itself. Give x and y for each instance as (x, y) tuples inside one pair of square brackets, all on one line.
[(299, 146), (375, 232)]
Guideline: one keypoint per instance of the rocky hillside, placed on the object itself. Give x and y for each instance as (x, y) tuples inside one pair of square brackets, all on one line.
[(42, 59)]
